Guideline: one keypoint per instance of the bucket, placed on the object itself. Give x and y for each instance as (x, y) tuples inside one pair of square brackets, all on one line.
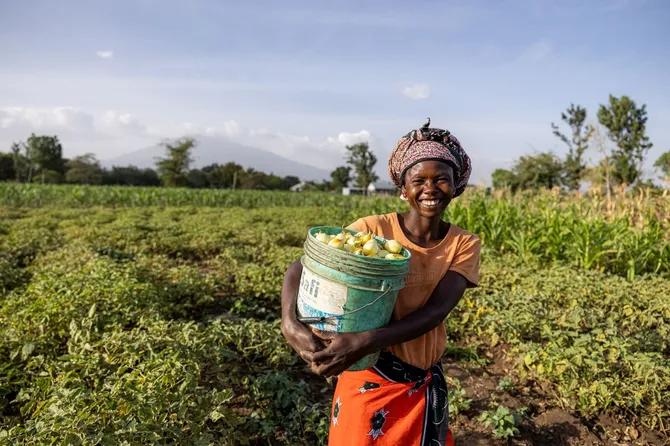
[(342, 292)]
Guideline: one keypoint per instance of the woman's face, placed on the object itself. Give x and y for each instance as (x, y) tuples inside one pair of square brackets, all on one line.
[(429, 187)]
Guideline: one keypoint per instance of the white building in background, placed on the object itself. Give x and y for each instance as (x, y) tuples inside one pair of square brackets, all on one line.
[(297, 187), (377, 188), (382, 188)]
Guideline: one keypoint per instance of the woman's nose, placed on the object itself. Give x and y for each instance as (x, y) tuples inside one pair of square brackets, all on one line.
[(429, 186)]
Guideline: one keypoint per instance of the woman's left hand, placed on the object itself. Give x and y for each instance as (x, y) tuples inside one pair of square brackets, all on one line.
[(342, 350)]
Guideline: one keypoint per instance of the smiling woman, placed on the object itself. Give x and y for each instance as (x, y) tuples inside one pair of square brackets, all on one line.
[(402, 399)]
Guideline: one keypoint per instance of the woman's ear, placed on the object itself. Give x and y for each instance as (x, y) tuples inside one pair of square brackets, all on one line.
[(403, 194)]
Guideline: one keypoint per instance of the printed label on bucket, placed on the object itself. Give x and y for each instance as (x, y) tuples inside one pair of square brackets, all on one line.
[(321, 294)]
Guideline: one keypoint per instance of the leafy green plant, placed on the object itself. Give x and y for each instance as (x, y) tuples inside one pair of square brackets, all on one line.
[(502, 421), (505, 384)]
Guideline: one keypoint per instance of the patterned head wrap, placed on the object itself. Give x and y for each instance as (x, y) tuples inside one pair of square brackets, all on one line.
[(430, 144)]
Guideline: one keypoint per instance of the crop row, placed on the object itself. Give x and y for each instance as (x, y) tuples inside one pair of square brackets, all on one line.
[(146, 325), (629, 236)]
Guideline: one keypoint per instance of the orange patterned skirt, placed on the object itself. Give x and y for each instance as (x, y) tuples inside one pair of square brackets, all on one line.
[(392, 403)]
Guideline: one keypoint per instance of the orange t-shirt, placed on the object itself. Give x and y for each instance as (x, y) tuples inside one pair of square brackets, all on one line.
[(458, 251)]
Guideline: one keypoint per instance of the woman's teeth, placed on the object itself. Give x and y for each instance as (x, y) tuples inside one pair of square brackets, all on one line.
[(430, 203)]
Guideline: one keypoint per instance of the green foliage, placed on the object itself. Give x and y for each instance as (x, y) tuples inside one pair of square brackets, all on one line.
[(663, 164), (39, 159), (340, 177), (458, 402), (362, 161), (502, 421), (626, 127), (224, 176), (131, 176), (574, 167), (505, 384), (160, 324), (600, 339), (83, 169), (542, 170), (7, 171), (173, 169), (503, 178)]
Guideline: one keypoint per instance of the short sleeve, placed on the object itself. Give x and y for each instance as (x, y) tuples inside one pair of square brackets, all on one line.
[(359, 225), (466, 260)]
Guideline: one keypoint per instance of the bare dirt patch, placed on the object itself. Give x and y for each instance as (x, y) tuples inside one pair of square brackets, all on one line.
[(543, 422)]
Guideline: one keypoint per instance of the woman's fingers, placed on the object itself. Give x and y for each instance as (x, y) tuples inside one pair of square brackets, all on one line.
[(306, 355), (322, 356)]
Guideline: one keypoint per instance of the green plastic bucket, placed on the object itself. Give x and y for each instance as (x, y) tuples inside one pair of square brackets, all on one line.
[(342, 292)]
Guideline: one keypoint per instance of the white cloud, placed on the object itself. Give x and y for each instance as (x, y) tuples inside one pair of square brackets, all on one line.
[(348, 139), (45, 119), (105, 54), (117, 123), (417, 91), (231, 128), (112, 133), (79, 131)]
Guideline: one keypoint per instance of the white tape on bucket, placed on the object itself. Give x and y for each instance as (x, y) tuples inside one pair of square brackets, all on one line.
[(322, 294)]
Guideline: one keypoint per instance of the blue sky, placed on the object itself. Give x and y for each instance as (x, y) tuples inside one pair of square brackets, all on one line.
[(303, 79)]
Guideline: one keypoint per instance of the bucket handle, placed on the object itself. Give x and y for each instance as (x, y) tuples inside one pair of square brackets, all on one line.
[(316, 320)]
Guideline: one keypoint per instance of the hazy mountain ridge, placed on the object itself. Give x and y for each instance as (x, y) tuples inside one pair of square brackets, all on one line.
[(210, 149)]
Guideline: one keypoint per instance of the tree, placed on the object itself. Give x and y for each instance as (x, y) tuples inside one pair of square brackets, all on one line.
[(290, 181), (223, 176), (7, 171), (40, 157), (663, 164), (173, 169), (83, 169), (574, 167), (23, 168), (626, 127), (251, 179), (131, 176), (197, 178), (537, 171), (340, 177), (501, 178), (362, 161)]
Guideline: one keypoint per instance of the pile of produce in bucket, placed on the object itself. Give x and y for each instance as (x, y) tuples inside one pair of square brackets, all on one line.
[(350, 282)]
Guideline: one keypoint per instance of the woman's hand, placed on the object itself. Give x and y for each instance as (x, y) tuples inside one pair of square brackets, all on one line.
[(342, 350), (298, 335), (301, 338)]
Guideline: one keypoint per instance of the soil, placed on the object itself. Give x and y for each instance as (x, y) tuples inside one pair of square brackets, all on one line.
[(544, 423)]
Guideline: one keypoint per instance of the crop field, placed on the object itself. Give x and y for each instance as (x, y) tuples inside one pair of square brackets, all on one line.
[(151, 316)]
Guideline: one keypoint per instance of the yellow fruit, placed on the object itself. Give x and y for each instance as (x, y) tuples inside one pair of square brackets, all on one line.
[(358, 251), (336, 243), (393, 247), (382, 253), (394, 257), (322, 237), (370, 248), (340, 236), (365, 237), (349, 248)]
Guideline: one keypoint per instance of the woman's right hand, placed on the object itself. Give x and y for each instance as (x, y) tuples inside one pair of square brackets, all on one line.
[(298, 335), (301, 338)]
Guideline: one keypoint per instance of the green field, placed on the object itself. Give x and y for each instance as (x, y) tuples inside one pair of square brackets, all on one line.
[(150, 316)]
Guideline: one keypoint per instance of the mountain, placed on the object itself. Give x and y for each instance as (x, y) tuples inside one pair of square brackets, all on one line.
[(214, 149)]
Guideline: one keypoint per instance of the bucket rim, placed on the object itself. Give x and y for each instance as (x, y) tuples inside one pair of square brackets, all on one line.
[(407, 254)]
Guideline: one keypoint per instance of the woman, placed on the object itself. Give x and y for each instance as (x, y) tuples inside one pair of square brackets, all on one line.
[(402, 400)]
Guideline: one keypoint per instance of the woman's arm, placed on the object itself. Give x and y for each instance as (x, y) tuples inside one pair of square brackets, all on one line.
[(346, 348), (298, 335)]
